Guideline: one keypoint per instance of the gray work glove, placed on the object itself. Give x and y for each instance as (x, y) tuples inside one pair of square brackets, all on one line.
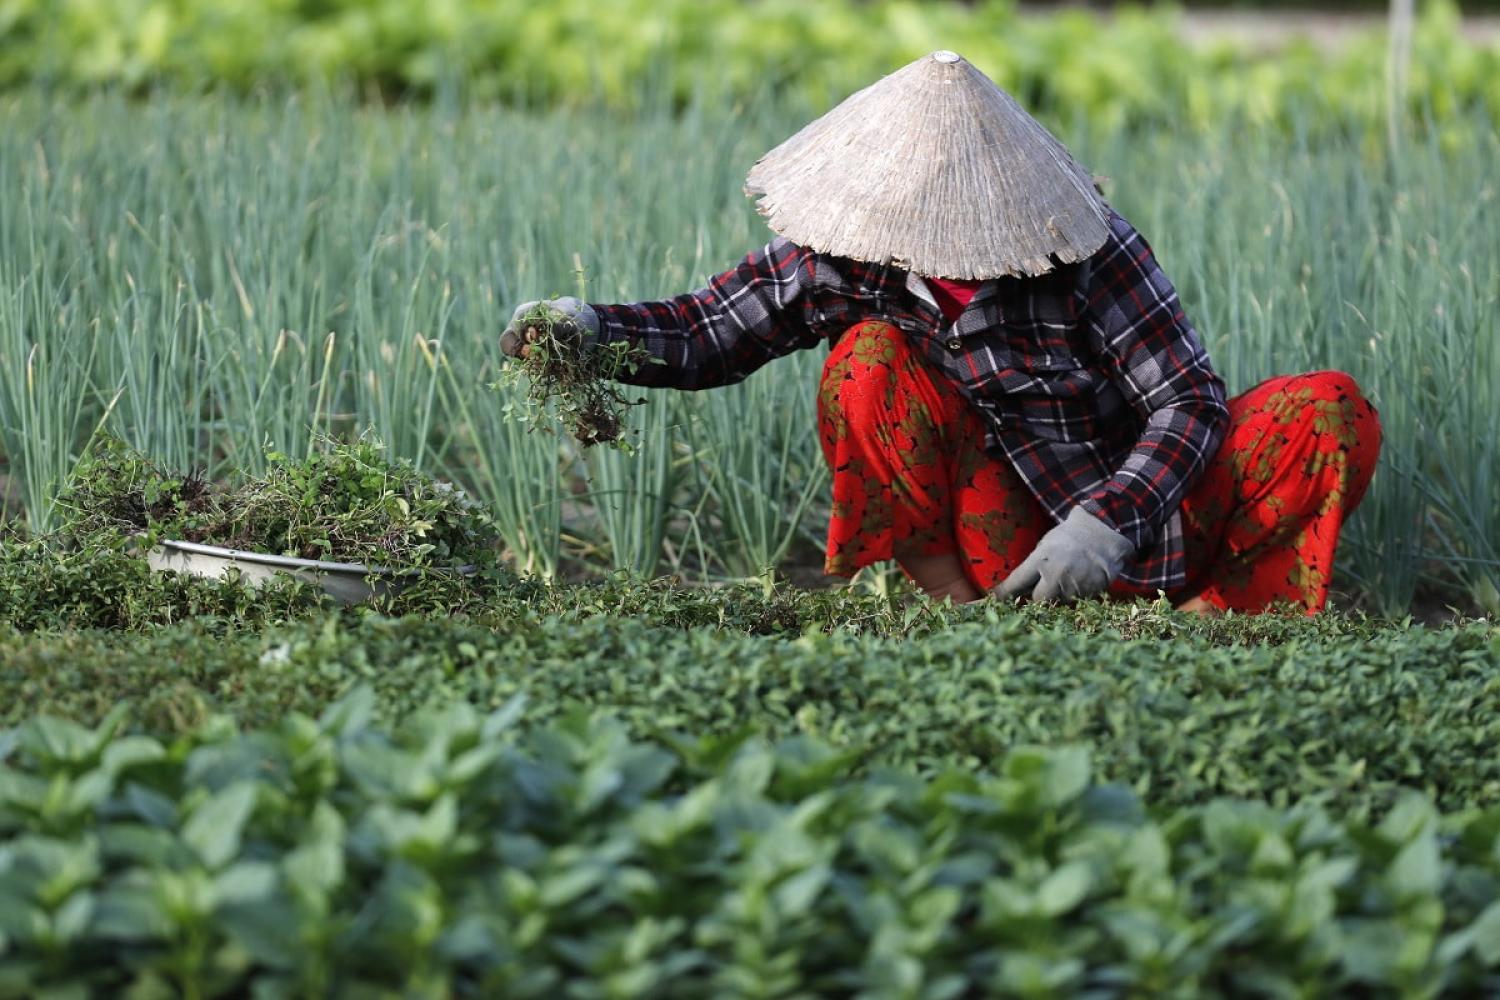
[(1077, 558), (572, 320)]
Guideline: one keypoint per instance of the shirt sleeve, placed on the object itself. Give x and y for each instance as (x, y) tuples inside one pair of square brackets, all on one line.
[(1153, 355), (757, 310)]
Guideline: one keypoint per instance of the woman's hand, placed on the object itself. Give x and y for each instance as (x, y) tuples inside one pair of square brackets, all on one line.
[(1077, 558), (572, 319)]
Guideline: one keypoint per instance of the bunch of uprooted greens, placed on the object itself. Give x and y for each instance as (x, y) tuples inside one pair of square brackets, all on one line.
[(344, 503), (578, 381)]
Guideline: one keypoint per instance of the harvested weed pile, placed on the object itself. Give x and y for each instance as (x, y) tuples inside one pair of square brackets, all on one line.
[(348, 504)]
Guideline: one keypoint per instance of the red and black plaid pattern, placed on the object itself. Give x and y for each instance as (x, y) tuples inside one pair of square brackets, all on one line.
[(1091, 379)]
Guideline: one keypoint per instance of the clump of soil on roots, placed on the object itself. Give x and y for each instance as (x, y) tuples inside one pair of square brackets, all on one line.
[(577, 380)]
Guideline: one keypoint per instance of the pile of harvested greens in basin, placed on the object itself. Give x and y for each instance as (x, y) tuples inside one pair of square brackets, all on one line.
[(345, 503)]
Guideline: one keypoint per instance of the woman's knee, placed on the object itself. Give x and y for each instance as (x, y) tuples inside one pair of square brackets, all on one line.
[(1327, 400), (1353, 413), (1359, 431), (1336, 385), (1338, 411)]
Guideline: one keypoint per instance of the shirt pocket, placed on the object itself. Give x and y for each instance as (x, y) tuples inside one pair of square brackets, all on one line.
[(1043, 338), (1048, 388)]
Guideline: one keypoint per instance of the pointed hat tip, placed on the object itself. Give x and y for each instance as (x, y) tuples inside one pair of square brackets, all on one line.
[(932, 141)]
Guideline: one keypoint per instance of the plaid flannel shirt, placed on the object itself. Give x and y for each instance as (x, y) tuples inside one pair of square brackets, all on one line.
[(1091, 380)]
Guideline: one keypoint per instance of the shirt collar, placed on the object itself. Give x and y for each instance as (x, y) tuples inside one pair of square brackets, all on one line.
[(917, 285)]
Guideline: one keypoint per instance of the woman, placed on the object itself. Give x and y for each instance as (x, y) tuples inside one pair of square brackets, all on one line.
[(1014, 401)]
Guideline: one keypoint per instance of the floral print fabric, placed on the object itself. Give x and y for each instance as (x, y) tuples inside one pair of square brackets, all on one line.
[(910, 477)]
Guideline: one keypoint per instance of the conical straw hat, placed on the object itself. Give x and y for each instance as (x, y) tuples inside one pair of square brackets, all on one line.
[(936, 168)]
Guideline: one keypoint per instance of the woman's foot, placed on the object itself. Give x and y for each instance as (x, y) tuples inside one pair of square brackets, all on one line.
[(941, 576)]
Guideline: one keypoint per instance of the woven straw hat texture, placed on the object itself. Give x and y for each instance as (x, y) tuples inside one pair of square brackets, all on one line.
[(937, 169)]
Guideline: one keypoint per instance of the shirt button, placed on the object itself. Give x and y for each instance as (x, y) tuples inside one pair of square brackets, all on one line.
[(954, 343)]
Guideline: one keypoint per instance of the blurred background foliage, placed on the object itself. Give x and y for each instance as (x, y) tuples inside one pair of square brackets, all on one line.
[(1301, 6), (1127, 65)]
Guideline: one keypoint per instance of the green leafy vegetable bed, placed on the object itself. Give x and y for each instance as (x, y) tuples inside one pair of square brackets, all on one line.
[(330, 859), (1178, 708)]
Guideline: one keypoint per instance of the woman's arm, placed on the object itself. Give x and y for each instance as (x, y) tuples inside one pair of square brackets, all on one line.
[(757, 310), (1152, 353)]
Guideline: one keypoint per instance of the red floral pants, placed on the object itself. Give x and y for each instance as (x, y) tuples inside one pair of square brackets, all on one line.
[(910, 478)]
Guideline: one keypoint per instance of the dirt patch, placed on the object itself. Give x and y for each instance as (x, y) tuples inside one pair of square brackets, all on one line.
[(10, 494)]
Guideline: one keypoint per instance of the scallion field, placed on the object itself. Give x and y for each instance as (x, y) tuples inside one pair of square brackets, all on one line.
[(648, 749)]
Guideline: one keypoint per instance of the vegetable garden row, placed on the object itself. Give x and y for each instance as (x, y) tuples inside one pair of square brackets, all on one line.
[(1181, 710), (328, 858), (650, 790)]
